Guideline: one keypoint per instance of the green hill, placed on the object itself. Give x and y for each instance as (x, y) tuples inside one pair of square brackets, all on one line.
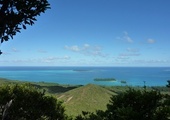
[(82, 98), (86, 98)]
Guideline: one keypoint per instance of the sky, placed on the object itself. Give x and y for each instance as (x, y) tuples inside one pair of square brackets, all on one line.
[(94, 33)]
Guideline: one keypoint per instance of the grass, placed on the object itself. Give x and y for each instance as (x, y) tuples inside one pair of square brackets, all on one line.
[(51, 88), (86, 98), (82, 98)]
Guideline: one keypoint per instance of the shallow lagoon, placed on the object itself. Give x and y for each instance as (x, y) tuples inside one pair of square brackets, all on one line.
[(134, 76)]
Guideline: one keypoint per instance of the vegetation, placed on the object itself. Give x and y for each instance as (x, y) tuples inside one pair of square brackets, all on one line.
[(104, 79), (123, 81), (136, 105), (133, 105), (16, 14), (25, 102), (168, 83), (125, 103), (51, 88), (86, 98)]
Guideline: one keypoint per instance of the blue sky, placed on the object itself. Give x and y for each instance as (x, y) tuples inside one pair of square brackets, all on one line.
[(94, 33)]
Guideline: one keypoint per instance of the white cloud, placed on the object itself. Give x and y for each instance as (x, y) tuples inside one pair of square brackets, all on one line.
[(15, 50), (150, 41), (87, 49), (86, 45), (125, 60), (74, 48), (18, 61), (38, 60), (66, 57), (42, 51), (151, 61), (130, 54), (132, 50), (122, 57), (54, 59), (127, 38)]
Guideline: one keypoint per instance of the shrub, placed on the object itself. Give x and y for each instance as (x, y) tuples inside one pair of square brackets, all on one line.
[(134, 105), (29, 103)]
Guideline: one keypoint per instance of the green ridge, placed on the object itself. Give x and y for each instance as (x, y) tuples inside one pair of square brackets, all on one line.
[(86, 98)]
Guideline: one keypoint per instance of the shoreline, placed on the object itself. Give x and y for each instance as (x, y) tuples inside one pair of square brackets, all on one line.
[(123, 83), (56, 89), (84, 75)]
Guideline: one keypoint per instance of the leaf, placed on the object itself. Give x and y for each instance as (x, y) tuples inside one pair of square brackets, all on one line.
[(34, 19), (6, 38), (24, 26), (2, 40), (11, 36), (19, 13), (26, 22), (18, 28), (31, 22), (18, 31)]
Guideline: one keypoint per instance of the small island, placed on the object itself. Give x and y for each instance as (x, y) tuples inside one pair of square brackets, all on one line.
[(104, 79), (79, 70), (123, 81)]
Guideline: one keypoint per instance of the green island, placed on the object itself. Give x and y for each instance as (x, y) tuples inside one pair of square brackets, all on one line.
[(89, 98), (80, 70), (123, 81), (104, 79)]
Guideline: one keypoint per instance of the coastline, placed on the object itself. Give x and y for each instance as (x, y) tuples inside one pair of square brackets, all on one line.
[(134, 76)]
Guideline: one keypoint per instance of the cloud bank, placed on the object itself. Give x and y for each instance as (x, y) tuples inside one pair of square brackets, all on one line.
[(87, 49), (151, 41)]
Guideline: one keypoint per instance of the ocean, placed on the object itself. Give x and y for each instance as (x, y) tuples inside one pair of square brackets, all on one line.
[(132, 76)]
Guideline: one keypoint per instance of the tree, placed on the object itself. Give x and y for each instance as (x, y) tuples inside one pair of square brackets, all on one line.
[(29, 103), (99, 115), (16, 14), (168, 85), (133, 105)]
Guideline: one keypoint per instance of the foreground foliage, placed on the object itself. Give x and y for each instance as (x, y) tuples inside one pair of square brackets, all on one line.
[(133, 105), (17, 13), (28, 103)]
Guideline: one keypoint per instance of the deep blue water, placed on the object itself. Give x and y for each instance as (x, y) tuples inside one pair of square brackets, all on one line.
[(134, 76)]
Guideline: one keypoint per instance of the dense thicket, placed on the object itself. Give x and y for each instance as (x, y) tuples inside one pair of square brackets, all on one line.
[(133, 105), (25, 102)]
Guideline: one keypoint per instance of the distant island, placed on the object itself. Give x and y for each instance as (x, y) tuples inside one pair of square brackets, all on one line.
[(123, 81), (79, 70), (104, 79)]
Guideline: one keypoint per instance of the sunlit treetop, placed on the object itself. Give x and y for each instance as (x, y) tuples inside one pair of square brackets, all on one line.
[(16, 14)]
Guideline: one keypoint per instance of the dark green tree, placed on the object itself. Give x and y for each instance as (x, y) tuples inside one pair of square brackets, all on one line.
[(16, 14), (28, 103), (137, 105), (133, 105), (99, 115), (168, 85)]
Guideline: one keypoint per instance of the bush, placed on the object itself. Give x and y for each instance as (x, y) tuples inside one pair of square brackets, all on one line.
[(134, 105), (29, 103)]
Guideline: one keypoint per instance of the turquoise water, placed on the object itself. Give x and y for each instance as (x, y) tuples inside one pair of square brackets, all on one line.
[(134, 76)]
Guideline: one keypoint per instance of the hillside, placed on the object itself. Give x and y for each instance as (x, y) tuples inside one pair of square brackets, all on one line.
[(82, 98), (51, 88), (86, 98)]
